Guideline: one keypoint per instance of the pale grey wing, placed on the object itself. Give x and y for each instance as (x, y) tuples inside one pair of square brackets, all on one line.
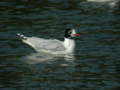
[(44, 44), (53, 45)]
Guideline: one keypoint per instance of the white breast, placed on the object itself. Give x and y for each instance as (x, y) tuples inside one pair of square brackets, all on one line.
[(69, 45)]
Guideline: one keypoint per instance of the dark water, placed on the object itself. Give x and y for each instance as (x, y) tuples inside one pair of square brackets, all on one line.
[(96, 63)]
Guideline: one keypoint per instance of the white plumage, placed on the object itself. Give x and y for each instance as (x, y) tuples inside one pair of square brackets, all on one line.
[(52, 46)]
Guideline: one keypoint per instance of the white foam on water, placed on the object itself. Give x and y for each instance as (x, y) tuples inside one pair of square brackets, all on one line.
[(111, 3), (101, 0)]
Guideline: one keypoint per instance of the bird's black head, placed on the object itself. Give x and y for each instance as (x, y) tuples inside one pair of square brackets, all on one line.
[(70, 33)]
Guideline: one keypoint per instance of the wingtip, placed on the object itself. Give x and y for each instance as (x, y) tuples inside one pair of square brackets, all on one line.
[(21, 36), (18, 34)]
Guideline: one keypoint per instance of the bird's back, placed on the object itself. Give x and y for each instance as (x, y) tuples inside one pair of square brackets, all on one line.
[(40, 44)]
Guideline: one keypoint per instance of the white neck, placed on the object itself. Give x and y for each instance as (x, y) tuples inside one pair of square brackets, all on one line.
[(69, 45)]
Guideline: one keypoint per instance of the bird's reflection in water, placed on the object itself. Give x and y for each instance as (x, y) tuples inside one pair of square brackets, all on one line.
[(36, 58)]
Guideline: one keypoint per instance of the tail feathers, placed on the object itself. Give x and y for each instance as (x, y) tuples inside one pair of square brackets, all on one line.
[(21, 36)]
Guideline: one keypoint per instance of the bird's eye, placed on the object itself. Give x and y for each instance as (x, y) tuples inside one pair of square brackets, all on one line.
[(69, 32)]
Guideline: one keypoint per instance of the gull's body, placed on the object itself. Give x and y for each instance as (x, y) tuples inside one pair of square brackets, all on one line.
[(52, 46)]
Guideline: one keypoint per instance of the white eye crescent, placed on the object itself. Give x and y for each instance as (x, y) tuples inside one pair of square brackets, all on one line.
[(69, 32)]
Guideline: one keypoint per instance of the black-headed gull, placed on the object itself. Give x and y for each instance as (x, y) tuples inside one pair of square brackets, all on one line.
[(52, 46)]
